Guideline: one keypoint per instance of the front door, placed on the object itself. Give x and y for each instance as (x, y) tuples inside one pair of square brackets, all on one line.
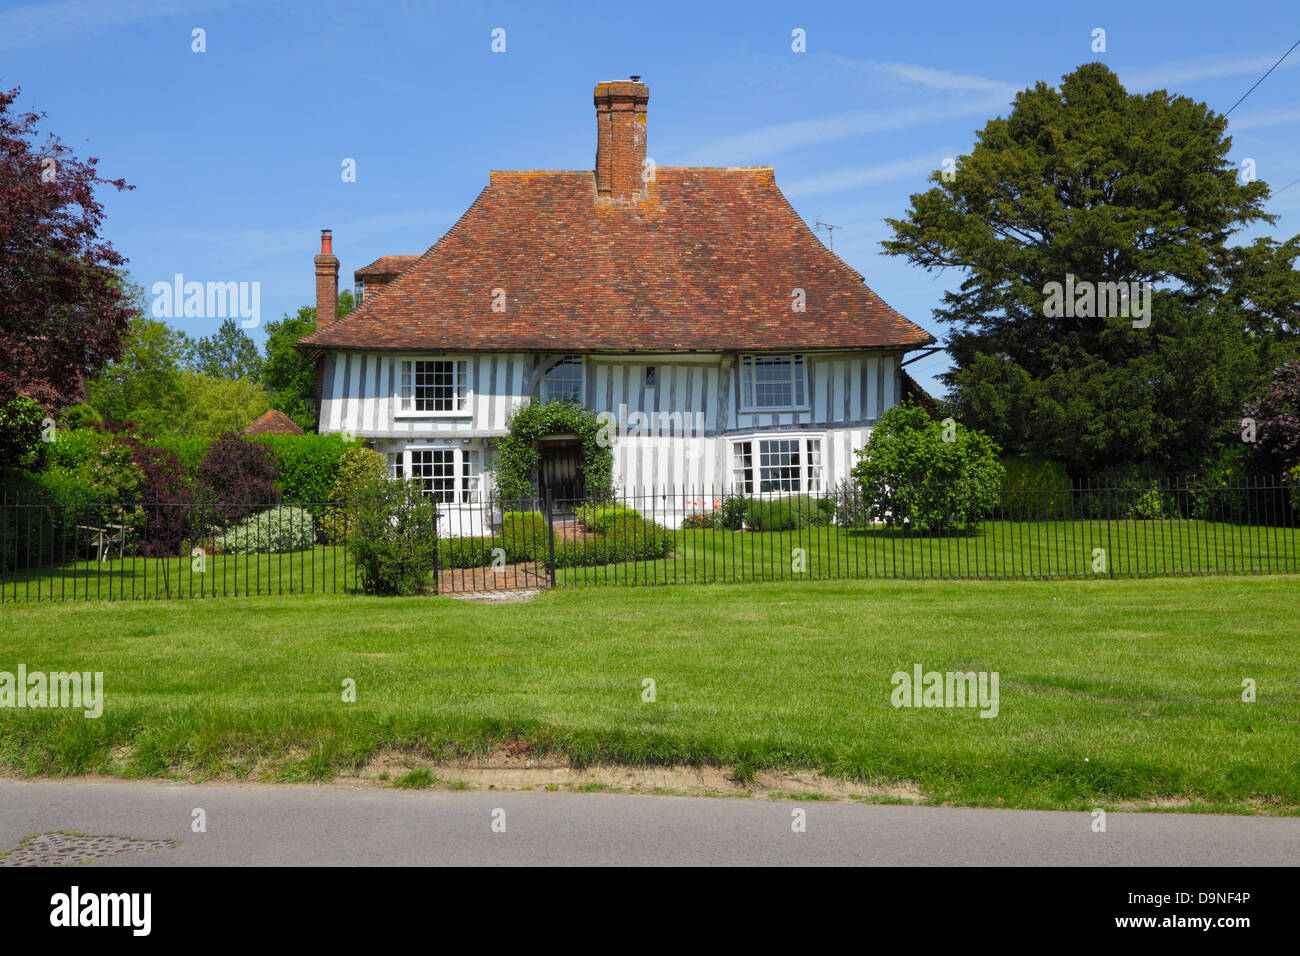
[(560, 471)]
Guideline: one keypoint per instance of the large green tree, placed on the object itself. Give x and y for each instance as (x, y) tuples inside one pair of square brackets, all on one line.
[(1087, 180), (287, 375), (144, 384), (229, 354)]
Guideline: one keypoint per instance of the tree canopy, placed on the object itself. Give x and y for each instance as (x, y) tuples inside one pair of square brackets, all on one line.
[(65, 308), (1089, 184)]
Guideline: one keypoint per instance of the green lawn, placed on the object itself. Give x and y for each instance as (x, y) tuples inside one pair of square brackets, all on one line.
[(1007, 549), (1110, 690), (997, 549)]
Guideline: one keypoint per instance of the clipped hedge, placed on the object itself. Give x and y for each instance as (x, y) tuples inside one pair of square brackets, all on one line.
[(638, 539), (524, 535), (307, 466), (274, 531), (601, 517), (466, 552), (788, 514)]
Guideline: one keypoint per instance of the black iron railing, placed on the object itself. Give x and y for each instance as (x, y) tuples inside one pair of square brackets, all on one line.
[(82, 548)]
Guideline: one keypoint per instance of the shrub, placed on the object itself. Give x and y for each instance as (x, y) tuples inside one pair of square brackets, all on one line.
[(524, 535), (44, 530), (700, 521), (1276, 414), (637, 539), (238, 476), (1152, 503), (162, 519), (1035, 490), (786, 514), (1293, 476), (307, 466), (600, 517), (914, 477), (79, 417), (852, 510), (466, 552), (731, 514), (274, 531), (357, 468), (188, 449), (22, 444), (74, 448), (394, 537)]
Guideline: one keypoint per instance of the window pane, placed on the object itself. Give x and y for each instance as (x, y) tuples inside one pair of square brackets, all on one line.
[(814, 465), (777, 381), (469, 475), (435, 469), (564, 381), (742, 466), (779, 465)]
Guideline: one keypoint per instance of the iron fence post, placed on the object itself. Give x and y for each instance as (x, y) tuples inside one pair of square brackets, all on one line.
[(550, 537)]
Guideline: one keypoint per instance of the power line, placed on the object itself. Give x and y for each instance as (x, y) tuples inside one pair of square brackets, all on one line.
[(1263, 78), (1287, 186)]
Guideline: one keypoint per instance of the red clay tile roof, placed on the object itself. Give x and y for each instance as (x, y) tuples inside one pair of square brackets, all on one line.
[(273, 423), (708, 261), (387, 266)]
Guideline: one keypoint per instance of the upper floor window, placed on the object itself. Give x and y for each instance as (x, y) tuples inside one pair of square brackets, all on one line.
[(773, 381), (564, 380), (433, 386)]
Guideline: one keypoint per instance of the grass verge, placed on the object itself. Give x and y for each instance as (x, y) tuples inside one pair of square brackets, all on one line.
[(1111, 692)]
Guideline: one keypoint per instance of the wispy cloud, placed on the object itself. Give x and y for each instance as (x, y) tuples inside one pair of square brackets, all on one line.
[(944, 96), (1181, 72), (37, 23), (768, 141), (854, 177), (1279, 117), (934, 79)]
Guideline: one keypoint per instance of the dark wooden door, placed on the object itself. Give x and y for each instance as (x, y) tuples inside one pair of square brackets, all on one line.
[(560, 471)]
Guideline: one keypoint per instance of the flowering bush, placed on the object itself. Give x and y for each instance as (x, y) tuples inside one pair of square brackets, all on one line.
[(274, 531)]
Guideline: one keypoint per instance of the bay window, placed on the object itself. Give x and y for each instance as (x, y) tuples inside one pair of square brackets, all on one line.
[(449, 474), (787, 465)]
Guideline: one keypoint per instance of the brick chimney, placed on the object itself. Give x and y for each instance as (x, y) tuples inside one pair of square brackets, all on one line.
[(620, 138), (327, 281)]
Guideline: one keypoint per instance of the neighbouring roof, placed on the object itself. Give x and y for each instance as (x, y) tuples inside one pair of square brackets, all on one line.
[(387, 266), (709, 260), (912, 388), (273, 423)]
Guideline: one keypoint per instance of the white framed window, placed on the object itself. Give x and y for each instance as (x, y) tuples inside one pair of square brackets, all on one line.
[(433, 387), (564, 380), (396, 464), (450, 474), (773, 382), (784, 465)]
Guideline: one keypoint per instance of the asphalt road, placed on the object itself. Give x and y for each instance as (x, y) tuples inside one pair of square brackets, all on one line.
[(268, 825)]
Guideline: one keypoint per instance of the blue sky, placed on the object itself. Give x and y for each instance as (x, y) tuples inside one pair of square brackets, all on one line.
[(236, 152)]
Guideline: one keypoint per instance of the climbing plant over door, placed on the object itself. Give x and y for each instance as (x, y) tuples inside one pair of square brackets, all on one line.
[(516, 454)]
